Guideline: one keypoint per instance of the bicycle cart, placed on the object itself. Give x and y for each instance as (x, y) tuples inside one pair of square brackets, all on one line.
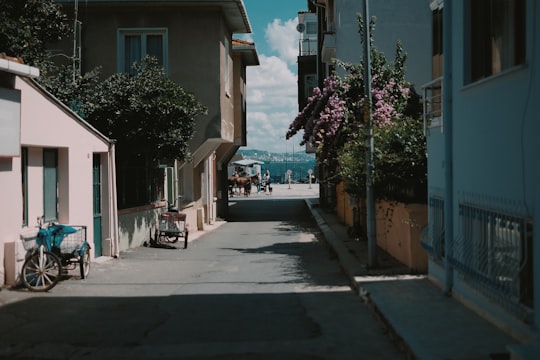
[(51, 253), (171, 226)]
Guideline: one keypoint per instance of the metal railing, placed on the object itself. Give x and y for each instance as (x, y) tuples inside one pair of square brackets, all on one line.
[(307, 47), (433, 239), (492, 253), (432, 93)]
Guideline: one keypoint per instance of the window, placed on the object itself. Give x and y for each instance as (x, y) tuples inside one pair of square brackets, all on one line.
[(437, 42), (310, 83), (311, 28), (227, 45), (135, 44), (497, 36), (495, 250), (330, 15), (50, 184)]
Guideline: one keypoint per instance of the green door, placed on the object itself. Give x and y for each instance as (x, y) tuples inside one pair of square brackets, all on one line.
[(96, 174)]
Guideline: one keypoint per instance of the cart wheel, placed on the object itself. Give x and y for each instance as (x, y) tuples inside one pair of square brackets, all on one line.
[(84, 263), (41, 271), (185, 239)]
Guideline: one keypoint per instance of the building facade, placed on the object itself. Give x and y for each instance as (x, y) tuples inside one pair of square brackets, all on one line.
[(194, 43), (338, 38), (54, 166), (482, 133)]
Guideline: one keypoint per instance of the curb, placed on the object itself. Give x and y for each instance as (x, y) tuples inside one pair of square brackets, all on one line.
[(347, 262), (353, 270)]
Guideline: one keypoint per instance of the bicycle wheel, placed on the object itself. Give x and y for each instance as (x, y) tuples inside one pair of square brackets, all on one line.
[(41, 271), (84, 263)]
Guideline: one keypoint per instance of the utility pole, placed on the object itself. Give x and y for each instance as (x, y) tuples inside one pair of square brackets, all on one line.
[(368, 122)]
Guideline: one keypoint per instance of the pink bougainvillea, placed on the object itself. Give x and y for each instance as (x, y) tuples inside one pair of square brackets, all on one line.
[(321, 118)]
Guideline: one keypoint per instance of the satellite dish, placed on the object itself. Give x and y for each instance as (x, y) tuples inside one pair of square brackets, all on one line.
[(301, 27)]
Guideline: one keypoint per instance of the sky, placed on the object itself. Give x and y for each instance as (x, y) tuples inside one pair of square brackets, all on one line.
[(272, 86)]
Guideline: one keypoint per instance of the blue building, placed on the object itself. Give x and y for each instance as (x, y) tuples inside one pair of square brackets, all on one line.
[(484, 178)]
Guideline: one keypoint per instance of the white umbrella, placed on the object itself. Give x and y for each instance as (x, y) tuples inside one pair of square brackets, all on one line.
[(247, 162)]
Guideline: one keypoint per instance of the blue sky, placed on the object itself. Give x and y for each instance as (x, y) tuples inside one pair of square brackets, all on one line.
[(272, 86)]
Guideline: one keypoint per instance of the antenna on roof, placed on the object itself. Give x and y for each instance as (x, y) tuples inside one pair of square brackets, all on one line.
[(76, 42)]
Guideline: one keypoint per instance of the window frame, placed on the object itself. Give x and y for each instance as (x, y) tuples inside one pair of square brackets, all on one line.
[(50, 189), (143, 32), (484, 59), (227, 66)]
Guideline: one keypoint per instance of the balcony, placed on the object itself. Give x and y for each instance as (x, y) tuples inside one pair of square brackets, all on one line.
[(307, 46), (432, 93), (328, 52)]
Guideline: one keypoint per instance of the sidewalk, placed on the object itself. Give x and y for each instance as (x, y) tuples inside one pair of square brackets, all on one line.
[(422, 321)]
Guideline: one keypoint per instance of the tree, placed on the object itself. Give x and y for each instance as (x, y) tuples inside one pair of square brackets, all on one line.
[(26, 26), (332, 120), (147, 113), (73, 91), (150, 116)]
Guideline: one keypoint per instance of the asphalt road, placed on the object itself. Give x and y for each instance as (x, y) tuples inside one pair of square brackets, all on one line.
[(261, 286)]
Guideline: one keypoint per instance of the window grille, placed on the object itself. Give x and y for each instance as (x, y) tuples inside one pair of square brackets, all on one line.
[(494, 254), (436, 228)]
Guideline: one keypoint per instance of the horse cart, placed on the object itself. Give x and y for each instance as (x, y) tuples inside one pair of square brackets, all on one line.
[(170, 227)]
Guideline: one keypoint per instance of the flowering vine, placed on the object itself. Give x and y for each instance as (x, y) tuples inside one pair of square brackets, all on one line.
[(332, 121)]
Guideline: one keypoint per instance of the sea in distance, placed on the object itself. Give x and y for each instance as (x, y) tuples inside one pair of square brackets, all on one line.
[(279, 163)]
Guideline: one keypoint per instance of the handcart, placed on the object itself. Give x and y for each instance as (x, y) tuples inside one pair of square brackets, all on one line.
[(170, 227), (53, 251)]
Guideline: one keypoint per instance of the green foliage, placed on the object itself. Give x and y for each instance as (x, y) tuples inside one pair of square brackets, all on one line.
[(73, 91), (399, 156), (352, 163), (401, 163), (400, 166), (26, 26), (147, 113)]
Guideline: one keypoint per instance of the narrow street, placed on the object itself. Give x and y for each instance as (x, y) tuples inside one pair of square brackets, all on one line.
[(261, 286)]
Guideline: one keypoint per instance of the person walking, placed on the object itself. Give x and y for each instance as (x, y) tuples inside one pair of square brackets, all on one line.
[(267, 184)]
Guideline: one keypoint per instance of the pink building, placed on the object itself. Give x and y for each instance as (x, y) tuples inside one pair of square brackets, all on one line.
[(52, 164)]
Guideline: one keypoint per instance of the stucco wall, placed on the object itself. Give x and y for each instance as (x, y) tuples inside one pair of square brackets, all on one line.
[(45, 124), (495, 131), (137, 225), (195, 55), (11, 210), (408, 21)]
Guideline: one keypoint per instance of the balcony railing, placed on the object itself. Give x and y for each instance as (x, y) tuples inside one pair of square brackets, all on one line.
[(307, 47), (432, 93)]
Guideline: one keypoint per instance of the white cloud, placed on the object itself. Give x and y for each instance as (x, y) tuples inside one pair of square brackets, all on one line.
[(246, 37), (282, 37), (271, 103)]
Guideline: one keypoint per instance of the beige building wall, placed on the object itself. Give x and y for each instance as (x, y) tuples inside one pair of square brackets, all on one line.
[(199, 57)]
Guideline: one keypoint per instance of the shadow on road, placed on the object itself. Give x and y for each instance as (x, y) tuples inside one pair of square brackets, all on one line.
[(287, 210)]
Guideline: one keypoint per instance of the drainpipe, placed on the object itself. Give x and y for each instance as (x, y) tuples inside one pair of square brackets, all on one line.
[(113, 206), (448, 147)]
